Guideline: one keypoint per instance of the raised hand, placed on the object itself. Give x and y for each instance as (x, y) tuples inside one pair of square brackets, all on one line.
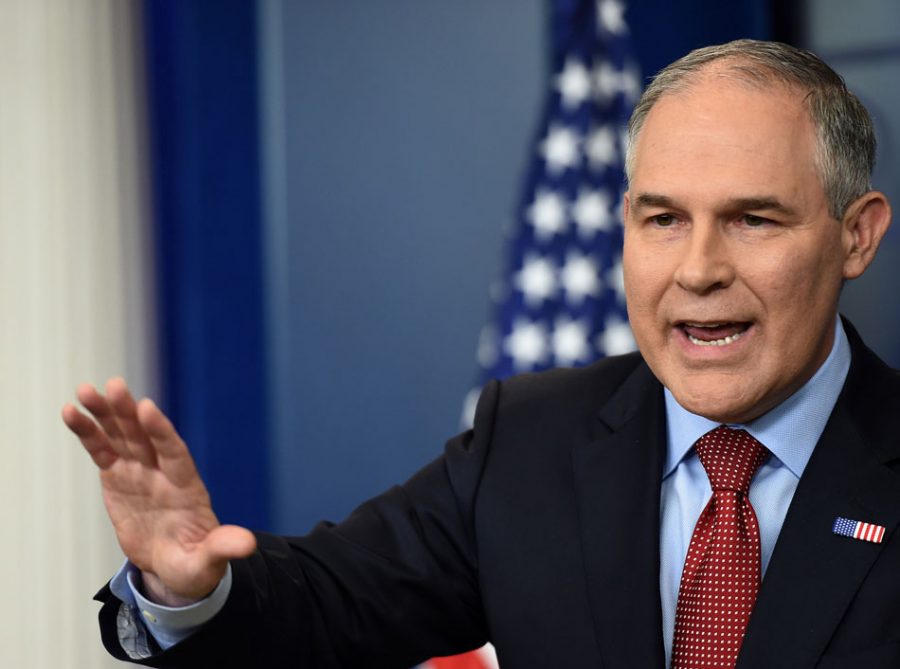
[(157, 502)]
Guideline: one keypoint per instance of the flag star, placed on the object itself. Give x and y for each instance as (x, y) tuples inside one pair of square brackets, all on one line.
[(616, 278), (591, 212), (570, 341), (560, 149), (526, 344), (579, 278), (601, 147), (574, 83), (608, 80), (611, 16), (536, 280), (616, 338), (547, 214)]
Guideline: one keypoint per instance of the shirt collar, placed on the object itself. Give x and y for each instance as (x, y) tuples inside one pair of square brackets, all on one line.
[(790, 430)]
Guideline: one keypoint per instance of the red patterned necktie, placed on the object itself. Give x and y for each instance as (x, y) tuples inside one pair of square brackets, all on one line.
[(722, 569)]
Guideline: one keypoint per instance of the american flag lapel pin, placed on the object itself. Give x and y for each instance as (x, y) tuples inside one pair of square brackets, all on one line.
[(857, 529)]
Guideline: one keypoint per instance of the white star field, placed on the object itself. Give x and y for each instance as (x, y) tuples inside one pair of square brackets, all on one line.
[(561, 300)]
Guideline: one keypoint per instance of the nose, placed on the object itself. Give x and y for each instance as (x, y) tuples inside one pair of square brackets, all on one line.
[(706, 264)]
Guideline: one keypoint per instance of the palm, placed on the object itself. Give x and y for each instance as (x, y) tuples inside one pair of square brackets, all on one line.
[(157, 502), (158, 524)]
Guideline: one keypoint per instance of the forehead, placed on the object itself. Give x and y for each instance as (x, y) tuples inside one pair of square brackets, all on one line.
[(722, 132)]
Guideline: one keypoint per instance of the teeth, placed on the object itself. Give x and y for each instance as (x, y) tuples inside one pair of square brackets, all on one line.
[(704, 325), (716, 342)]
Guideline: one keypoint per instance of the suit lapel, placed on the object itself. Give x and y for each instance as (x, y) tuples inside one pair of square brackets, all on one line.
[(617, 479), (814, 574)]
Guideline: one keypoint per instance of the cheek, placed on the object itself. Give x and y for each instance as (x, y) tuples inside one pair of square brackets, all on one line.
[(637, 287), (811, 271), (798, 289), (639, 266), (646, 280), (630, 273), (645, 288)]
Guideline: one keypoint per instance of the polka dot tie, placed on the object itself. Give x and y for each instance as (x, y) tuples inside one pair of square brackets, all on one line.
[(722, 569)]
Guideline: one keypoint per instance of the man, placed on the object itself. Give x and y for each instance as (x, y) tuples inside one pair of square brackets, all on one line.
[(583, 522)]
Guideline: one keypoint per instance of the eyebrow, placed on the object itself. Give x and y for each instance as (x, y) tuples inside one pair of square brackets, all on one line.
[(761, 203), (652, 200)]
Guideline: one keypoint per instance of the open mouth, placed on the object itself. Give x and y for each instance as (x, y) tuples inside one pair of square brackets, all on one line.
[(714, 334)]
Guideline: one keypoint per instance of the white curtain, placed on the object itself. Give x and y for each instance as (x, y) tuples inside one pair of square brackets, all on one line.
[(76, 304)]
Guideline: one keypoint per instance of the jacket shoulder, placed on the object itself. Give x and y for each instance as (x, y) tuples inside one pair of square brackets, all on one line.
[(566, 391)]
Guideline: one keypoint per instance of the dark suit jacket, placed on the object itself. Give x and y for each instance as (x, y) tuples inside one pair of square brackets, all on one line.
[(539, 531)]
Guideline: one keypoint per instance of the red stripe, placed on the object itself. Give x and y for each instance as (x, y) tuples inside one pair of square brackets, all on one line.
[(467, 661)]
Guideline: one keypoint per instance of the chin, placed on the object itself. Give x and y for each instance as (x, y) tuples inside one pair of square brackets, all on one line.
[(717, 406)]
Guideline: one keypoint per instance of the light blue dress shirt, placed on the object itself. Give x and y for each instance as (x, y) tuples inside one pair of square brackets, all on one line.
[(790, 431), (167, 624)]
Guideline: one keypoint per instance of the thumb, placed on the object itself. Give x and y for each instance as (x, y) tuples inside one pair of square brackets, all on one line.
[(228, 542)]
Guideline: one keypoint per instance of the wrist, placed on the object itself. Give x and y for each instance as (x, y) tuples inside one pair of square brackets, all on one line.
[(152, 587)]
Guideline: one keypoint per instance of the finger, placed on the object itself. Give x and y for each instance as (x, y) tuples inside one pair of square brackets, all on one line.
[(229, 542), (99, 408), (172, 453), (124, 409), (92, 438)]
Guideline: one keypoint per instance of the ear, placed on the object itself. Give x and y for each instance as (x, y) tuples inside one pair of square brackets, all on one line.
[(865, 222), (626, 206)]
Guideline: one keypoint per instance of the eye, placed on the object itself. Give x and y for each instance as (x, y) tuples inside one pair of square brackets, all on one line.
[(663, 220), (754, 221)]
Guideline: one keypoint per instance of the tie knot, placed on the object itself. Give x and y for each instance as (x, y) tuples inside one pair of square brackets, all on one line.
[(730, 458)]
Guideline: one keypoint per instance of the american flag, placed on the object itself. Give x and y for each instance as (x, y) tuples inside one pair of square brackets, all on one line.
[(856, 529), (561, 300)]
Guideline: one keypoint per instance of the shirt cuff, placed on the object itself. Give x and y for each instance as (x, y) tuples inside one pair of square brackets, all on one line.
[(168, 624)]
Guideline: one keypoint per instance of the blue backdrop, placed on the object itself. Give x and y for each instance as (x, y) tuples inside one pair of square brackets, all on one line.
[(319, 326), (201, 62)]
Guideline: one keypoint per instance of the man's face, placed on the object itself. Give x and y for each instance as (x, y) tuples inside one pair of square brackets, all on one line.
[(733, 264)]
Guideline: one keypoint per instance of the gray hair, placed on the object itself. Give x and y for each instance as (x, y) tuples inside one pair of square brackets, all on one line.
[(845, 136)]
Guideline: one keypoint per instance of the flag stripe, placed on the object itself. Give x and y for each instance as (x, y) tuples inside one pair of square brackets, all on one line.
[(857, 529)]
